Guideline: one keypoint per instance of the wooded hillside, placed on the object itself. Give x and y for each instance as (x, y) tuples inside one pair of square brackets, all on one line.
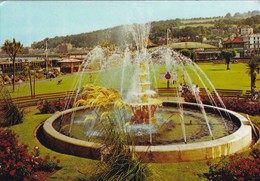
[(193, 28)]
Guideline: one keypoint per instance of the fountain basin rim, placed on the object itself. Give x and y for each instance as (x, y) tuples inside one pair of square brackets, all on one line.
[(50, 130)]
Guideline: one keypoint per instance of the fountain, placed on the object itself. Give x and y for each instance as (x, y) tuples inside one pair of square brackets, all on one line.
[(161, 131), (142, 101)]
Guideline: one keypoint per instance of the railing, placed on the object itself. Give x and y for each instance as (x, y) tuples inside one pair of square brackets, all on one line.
[(30, 101)]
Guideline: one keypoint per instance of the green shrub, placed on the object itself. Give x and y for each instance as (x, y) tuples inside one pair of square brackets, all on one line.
[(120, 160), (235, 168), (12, 113)]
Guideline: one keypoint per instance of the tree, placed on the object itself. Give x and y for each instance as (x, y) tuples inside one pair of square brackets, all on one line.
[(27, 69), (108, 45), (188, 53), (228, 54), (228, 15), (12, 49), (252, 68)]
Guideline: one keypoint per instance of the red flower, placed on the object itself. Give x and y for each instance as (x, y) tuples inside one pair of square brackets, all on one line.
[(12, 172), (58, 161), (19, 164), (25, 179), (47, 157), (240, 179), (29, 168), (244, 167)]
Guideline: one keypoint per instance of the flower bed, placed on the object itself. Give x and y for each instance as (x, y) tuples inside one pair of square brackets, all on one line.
[(235, 104), (236, 168), (51, 107), (15, 161)]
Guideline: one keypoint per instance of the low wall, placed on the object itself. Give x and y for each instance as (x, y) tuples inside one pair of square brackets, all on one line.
[(235, 142)]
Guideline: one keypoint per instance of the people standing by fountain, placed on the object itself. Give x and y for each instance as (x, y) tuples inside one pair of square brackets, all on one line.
[(185, 89), (197, 90), (180, 89)]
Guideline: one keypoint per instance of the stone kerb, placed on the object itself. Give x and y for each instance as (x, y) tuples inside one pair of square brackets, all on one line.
[(237, 141)]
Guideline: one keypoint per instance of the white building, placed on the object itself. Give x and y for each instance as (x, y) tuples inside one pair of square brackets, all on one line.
[(252, 41), (246, 30)]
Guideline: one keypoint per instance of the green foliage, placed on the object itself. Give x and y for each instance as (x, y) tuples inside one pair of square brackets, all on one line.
[(252, 67), (188, 53), (228, 54), (121, 161), (12, 113), (108, 45), (235, 168), (179, 28), (12, 49)]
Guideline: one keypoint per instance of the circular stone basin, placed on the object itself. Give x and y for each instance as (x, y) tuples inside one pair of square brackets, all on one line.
[(164, 149)]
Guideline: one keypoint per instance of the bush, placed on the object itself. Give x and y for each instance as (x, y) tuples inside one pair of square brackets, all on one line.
[(235, 104), (121, 161), (16, 163), (12, 113), (51, 107), (235, 168), (39, 75)]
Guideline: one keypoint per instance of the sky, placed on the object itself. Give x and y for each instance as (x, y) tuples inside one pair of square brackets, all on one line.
[(32, 21)]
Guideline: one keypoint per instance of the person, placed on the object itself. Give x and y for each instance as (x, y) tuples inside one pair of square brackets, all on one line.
[(255, 94), (197, 90), (180, 88), (193, 88), (185, 89), (20, 82)]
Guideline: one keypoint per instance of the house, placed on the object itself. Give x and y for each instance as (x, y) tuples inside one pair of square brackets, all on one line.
[(252, 44), (238, 44), (64, 48), (70, 65), (252, 41), (215, 42), (246, 30)]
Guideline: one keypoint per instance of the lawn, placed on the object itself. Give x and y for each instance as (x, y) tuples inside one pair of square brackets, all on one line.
[(235, 78), (74, 167)]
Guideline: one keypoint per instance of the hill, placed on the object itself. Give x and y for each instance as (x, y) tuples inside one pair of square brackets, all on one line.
[(193, 28)]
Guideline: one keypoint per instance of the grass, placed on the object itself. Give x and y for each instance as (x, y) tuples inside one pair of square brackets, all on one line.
[(188, 21), (73, 167), (235, 78), (197, 24)]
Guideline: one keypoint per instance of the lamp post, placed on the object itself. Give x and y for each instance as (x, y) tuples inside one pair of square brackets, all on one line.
[(46, 56), (167, 34)]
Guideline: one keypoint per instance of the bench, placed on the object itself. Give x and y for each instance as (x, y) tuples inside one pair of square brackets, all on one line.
[(72, 93), (246, 94), (29, 101), (168, 92), (204, 91), (228, 92)]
